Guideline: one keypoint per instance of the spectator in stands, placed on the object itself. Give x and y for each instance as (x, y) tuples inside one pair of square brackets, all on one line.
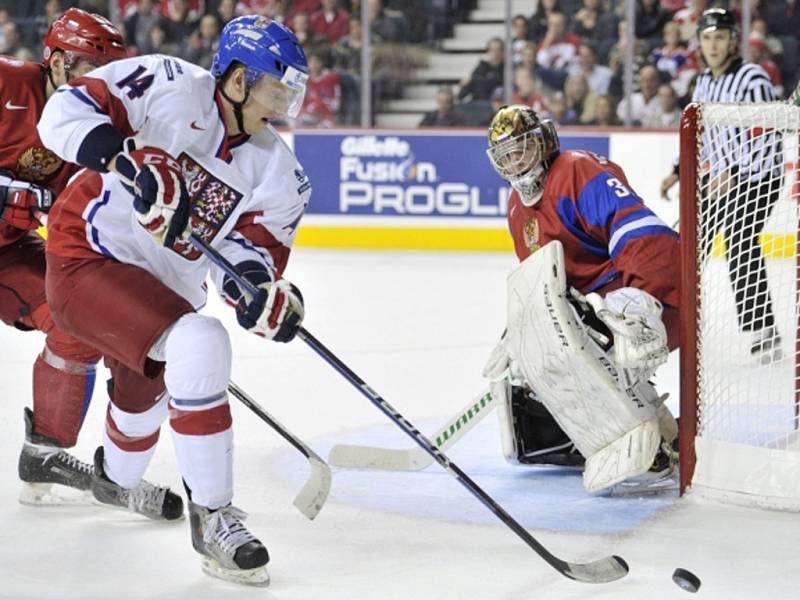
[(672, 56), (13, 45), (559, 112), (538, 22), (673, 6), (310, 41), (644, 103), (446, 113), (347, 53), (496, 101), (520, 39), (597, 76), (487, 75), (528, 57), (159, 42), (204, 43), (667, 114), (584, 22), (605, 112), (323, 95), (138, 25), (759, 54), (558, 48), (5, 17), (226, 11), (389, 27), (616, 59), (580, 98), (308, 7), (525, 90), (650, 20), (180, 23), (330, 21), (687, 18)]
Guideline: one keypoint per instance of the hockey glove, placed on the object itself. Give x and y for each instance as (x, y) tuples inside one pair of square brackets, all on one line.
[(21, 203), (634, 318), (159, 192), (276, 312)]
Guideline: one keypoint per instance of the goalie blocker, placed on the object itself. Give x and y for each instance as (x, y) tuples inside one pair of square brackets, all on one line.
[(561, 396)]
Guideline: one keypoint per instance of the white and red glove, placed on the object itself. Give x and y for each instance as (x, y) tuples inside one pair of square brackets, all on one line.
[(159, 191), (23, 204), (276, 312)]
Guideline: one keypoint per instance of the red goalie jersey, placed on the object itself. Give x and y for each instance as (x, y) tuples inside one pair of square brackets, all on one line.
[(611, 239)]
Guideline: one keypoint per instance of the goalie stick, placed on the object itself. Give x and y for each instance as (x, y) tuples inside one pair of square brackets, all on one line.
[(413, 459), (603, 570), (312, 496)]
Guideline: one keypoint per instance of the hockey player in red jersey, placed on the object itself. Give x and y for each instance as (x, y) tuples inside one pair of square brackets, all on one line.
[(172, 149), (30, 177), (577, 223)]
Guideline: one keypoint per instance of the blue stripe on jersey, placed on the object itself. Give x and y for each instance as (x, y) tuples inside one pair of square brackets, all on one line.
[(95, 233), (569, 217), (246, 244), (603, 196), (642, 228), (86, 100)]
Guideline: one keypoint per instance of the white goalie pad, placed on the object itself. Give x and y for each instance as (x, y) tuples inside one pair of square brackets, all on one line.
[(593, 401)]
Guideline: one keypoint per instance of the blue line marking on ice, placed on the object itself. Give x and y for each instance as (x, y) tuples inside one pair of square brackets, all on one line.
[(548, 498)]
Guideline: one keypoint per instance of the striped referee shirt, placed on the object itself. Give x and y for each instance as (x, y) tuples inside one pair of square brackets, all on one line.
[(724, 148)]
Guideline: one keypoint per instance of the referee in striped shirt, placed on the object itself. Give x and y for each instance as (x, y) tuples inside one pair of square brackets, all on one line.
[(745, 176)]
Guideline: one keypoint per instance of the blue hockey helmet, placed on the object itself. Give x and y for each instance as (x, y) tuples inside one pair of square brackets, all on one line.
[(264, 47)]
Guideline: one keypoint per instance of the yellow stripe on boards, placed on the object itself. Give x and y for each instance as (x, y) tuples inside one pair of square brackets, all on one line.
[(405, 238)]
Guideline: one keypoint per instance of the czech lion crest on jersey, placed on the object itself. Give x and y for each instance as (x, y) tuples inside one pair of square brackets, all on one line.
[(213, 202), (531, 233), (37, 164)]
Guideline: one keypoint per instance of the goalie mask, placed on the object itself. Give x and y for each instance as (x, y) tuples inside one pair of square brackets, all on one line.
[(521, 149)]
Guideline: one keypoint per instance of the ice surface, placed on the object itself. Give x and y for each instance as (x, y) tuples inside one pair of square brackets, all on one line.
[(417, 327)]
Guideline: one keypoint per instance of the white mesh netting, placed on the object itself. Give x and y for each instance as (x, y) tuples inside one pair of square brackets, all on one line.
[(747, 347)]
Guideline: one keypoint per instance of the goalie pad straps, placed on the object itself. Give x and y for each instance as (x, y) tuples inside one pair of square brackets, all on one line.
[(572, 376)]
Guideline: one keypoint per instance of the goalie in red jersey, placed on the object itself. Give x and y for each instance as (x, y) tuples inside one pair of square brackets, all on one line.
[(593, 311), (30, 178)]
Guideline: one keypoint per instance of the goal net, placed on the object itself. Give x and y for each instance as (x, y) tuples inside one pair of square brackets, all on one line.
[(740, 352)]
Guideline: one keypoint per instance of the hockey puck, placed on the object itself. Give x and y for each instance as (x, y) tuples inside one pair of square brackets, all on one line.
[(686, 580)]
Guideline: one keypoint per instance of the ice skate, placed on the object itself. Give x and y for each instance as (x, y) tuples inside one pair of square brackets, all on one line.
[(51, 476), (662, 476), (153, 501), (766, 345), (229, 550)]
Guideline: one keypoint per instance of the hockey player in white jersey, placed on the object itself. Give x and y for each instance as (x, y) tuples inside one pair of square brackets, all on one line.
[(173, 149)]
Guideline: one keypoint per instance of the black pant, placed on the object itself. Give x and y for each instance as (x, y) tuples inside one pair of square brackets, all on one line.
[(741, 214)]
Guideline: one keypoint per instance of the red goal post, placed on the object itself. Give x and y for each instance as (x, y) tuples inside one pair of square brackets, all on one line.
[(739, 438)]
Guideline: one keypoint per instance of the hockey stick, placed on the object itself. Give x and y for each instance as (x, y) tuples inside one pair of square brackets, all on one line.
[(603, 570), (311, 498), (413, 459)]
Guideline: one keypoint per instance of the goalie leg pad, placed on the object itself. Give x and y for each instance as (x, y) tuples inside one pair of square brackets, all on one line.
[(574, 378)]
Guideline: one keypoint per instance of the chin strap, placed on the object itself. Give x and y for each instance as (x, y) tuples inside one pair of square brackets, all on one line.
[(237, 106)]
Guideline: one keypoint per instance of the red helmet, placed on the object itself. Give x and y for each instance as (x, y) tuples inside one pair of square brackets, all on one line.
[(82, 35)]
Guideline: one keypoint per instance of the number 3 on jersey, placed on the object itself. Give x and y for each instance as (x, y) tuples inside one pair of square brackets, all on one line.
[(136, 83), (619, 188)]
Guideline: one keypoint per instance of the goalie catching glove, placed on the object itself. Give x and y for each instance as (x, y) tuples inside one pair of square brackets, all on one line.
[(159, 193), (634, 318), (276, 312), (22, 202)]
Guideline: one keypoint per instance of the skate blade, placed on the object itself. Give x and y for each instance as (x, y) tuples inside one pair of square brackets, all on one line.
[(258, 577), (53, 494), (648, 484)]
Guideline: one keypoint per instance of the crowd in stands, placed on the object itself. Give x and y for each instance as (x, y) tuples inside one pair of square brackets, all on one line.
[(568, 55), (569, 60)]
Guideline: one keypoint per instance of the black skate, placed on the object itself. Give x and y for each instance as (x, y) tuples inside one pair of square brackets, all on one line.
[(152, 501), (229, 550), (51, 476)]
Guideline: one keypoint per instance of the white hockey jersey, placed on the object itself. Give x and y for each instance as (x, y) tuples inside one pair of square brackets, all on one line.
[(248, 193)]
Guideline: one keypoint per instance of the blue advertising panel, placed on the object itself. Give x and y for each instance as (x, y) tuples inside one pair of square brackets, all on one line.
[(444, 175)]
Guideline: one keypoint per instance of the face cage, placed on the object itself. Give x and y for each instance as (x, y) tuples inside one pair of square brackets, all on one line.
[(519, 161)]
